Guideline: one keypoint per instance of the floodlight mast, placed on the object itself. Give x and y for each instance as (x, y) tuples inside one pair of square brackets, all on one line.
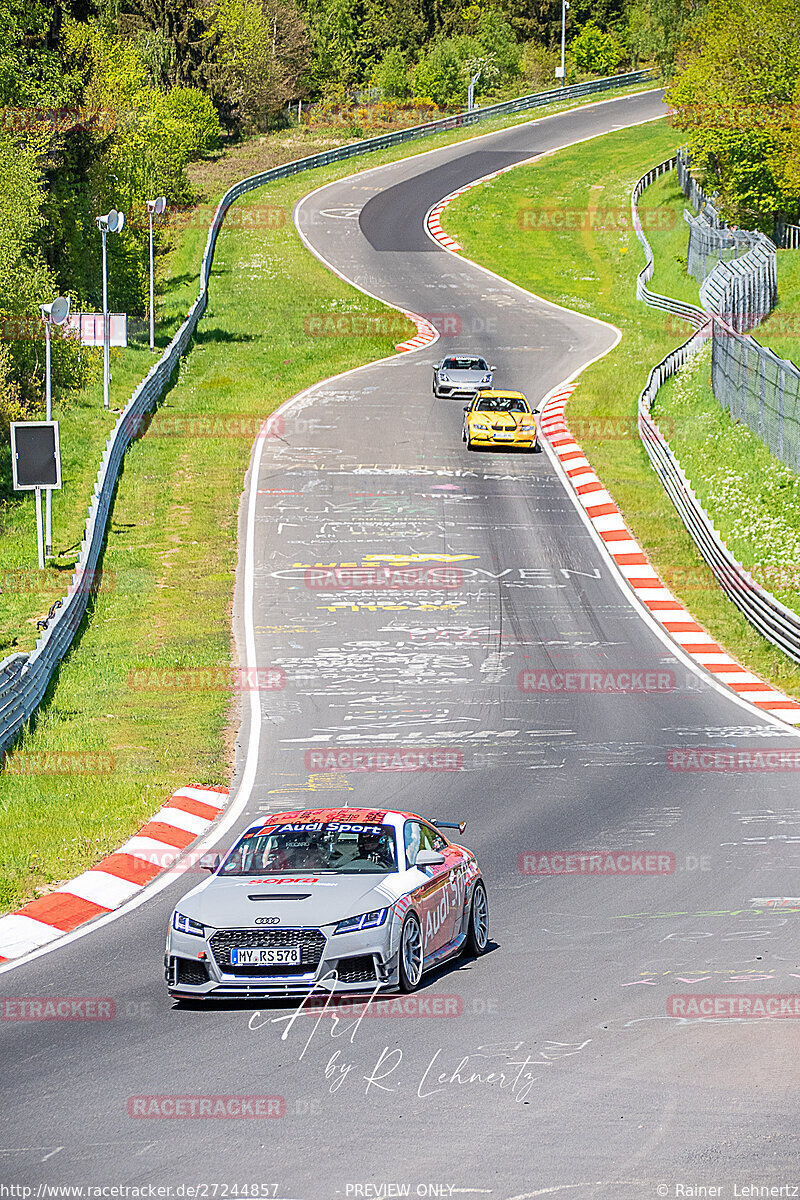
[(112, 222), (154, 209), (54, 313)]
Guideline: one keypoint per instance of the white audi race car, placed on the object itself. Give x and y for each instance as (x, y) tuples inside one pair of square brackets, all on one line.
[(327, 900)]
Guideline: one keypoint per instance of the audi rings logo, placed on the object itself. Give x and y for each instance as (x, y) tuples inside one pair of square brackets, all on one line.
[(268, 920)]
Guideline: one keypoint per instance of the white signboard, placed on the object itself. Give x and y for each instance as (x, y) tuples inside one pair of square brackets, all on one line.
[(89, 327)]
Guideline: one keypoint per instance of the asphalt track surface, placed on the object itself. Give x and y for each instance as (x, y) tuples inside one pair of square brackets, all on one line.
[(603, 1094)]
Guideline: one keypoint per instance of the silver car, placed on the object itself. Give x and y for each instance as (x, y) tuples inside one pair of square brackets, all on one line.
[(460, 375), (324, 901)]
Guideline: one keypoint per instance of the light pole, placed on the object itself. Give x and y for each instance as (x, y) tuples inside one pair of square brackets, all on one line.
[(564, 7), (471, 91), (54, 313), (154, 208), (112, 222)]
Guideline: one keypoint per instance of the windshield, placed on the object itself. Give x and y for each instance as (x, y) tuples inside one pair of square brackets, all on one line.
[(501, 404), (464, 364), (346, 847)]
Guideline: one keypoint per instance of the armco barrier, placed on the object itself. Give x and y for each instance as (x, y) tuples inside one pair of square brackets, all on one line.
[(24, 678), (688, 312), (772, 619)]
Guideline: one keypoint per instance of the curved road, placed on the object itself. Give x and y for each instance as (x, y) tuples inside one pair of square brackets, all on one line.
[(560, 1069)]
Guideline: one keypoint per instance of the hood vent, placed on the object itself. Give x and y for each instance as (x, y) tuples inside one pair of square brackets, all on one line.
[(280, 896)]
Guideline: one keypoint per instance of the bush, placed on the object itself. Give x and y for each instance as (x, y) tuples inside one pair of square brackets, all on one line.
[(439, 75), (538, 66), (391, 75), (597, 52), (197, 117)]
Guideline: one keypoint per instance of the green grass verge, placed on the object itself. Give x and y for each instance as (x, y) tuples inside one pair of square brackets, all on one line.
[(752, 498), (171, 548), (592, 267), (781, 330)]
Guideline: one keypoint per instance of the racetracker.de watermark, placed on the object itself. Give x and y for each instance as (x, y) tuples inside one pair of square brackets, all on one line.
[(59, 762), (393, 1006), (57, 1008), (398, 758), (192, 426), (596, 862), (616, 217), (781, 324), (735, 1006), (58, 120), (621, 683), (705, 758), (208, 679), (613, 429), (29, 580), (380, 578), (356, 324), (206, 1107)]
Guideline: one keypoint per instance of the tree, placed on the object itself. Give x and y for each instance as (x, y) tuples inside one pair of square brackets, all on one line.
[(595, 51), (183, 26), (261, 50), (391, 75), (26, 281), (351, 37), (735, 99), (656, 28), (438, 76)]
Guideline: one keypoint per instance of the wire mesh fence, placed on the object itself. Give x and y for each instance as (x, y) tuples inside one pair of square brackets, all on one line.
[(749, 380), (737, 268), (710, 245), (758, 388), (744, 292)]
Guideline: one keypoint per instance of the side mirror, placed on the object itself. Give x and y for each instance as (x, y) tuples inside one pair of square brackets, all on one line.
[(467, 407), (429, 858), (209, 862), (492, 368)]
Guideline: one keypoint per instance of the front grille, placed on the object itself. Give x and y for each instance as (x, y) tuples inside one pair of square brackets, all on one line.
[(191, 972), (310, 941), (359, 969), (281, 972)]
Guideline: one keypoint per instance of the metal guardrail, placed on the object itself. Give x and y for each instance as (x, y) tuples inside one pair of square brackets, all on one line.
[(688, 312), (768, 615), (786, 236), (24, 679)]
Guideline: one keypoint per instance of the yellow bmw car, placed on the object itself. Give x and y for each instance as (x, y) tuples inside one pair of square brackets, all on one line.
[(496, 418)]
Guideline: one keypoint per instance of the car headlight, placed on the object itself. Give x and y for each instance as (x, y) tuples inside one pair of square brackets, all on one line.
[(479, 424), (486, 379), (443, 379), (187, 925), (368, 920)]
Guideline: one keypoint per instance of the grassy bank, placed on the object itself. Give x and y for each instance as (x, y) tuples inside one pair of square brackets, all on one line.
[(171, 548), (592, 267)]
